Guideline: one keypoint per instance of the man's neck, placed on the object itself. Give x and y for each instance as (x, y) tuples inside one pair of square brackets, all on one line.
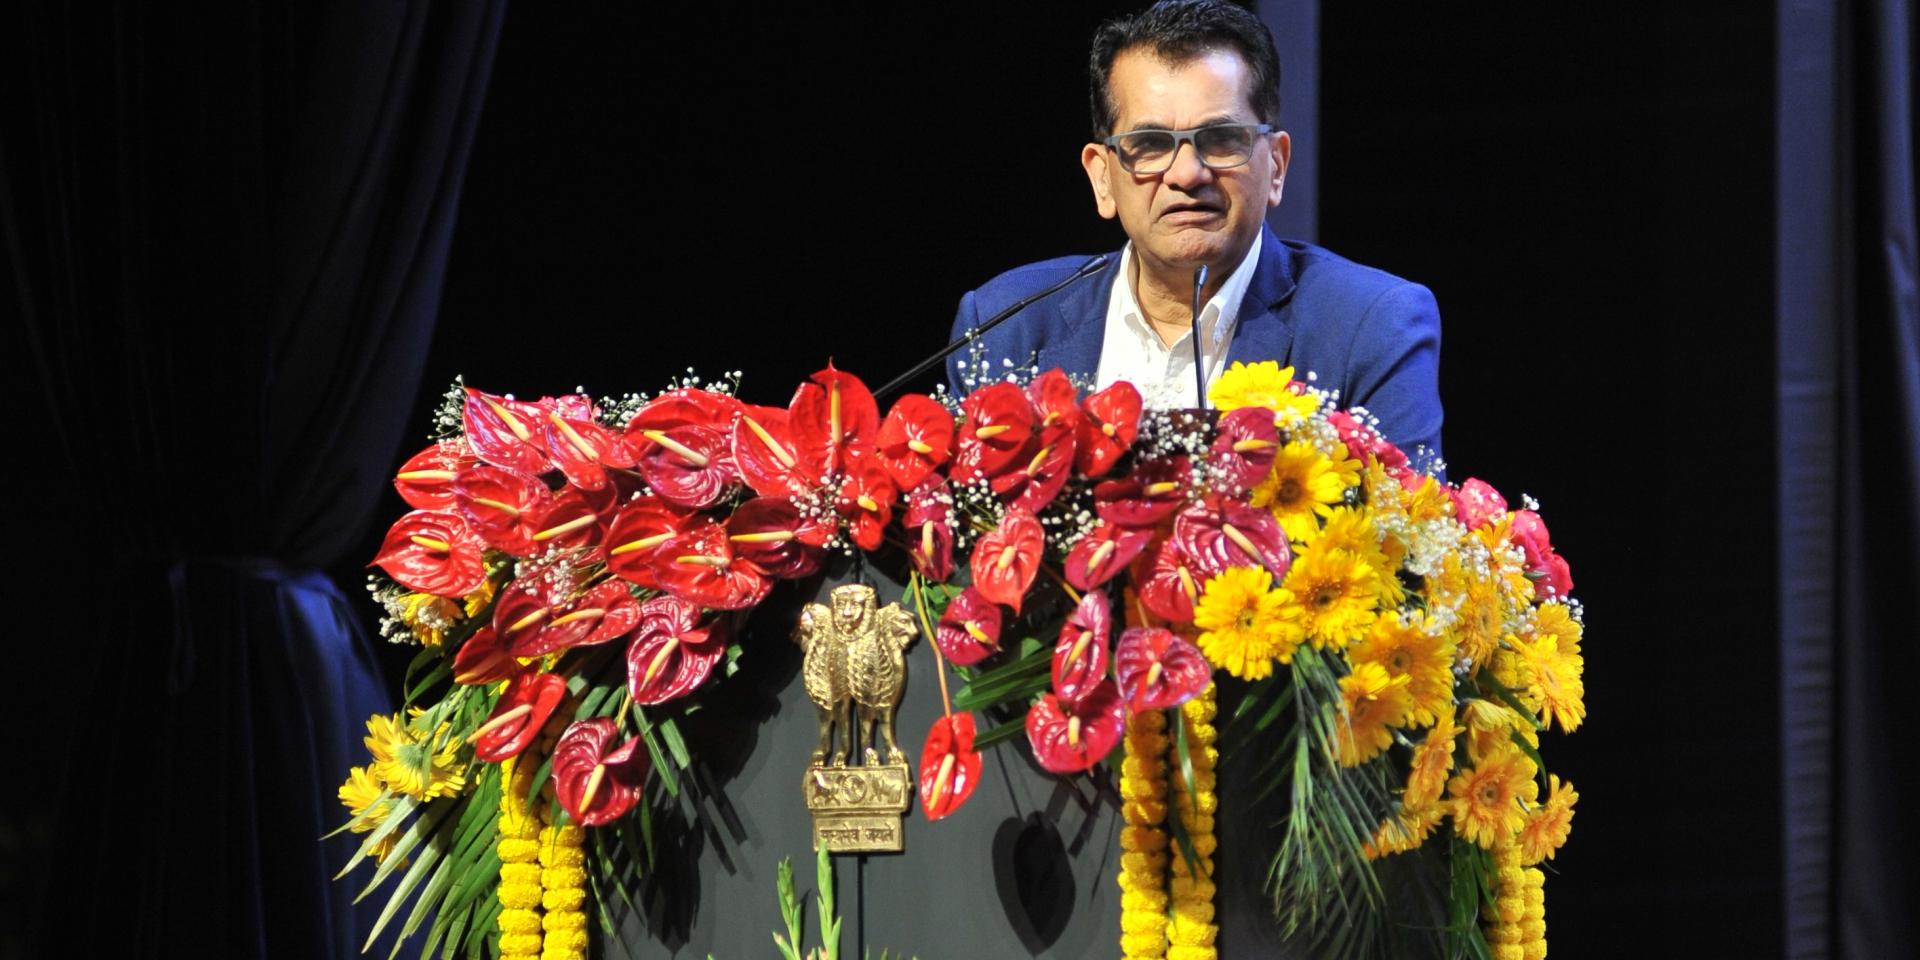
[(1165, 295)]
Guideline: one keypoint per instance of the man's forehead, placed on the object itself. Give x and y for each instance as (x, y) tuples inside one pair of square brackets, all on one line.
[(1149, 90)]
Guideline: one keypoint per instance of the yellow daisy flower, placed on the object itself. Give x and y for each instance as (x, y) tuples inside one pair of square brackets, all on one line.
[(1375, 702), (1246, 624), (1412, 647), (1428, 501), (1490, 728), (1405, 829), (1262, 384), (429, 616), (361, 794), (1476, 598), (1488, 800), (1548, 824), (1303, 486), (1432, 761), (1554, 682), (407, 761), (1350, 529), (1337, 594)]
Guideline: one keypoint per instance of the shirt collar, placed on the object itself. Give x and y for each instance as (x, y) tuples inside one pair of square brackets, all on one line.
[(1217, 316)]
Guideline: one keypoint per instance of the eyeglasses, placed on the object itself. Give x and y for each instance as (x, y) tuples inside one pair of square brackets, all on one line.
[(1221, 146)]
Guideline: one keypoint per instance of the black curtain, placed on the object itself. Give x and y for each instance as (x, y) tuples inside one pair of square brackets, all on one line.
[(1849, 461), (225, 234)]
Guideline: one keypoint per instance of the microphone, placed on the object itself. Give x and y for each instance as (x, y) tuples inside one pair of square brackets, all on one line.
[(1199, 359), (1092, 266)]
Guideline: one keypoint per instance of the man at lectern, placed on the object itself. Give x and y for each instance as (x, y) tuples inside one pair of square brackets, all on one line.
[(1188, 156)]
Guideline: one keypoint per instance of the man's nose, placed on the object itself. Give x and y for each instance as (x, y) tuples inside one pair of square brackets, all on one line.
[(1187, 171)]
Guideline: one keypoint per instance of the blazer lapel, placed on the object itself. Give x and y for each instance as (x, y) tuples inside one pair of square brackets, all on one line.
[(1079, 321), (1264, 329)]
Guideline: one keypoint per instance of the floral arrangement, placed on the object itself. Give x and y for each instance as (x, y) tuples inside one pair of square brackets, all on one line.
[(1109, 582)]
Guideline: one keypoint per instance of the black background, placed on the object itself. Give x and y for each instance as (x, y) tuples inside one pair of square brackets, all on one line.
[(1587, 192)]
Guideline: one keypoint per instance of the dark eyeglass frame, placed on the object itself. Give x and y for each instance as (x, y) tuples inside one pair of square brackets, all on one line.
[(1186, 136)]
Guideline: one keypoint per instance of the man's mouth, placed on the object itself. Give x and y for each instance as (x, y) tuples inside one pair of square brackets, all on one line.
[(1191, 207)]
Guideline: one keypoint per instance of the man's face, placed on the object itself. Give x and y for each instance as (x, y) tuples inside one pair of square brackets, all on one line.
[(1190, 214)]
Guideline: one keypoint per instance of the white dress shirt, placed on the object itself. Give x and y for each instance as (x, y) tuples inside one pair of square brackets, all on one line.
[(1132, 350)]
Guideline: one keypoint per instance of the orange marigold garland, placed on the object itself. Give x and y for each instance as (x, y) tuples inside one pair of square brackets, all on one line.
[(1192, 931), (1143, 839), (519, 846)]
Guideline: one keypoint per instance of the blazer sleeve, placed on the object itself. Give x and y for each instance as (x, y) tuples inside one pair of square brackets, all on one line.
[(964, 319), (1394, 368)]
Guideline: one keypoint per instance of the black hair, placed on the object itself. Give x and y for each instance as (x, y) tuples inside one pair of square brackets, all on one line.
[(1178, 31)]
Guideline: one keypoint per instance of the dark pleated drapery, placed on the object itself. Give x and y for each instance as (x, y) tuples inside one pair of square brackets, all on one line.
[(1849, 461), (225, 234)]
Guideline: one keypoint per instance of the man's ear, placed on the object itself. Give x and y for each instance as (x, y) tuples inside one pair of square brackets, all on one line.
[(1282, 154), (1094, 158)]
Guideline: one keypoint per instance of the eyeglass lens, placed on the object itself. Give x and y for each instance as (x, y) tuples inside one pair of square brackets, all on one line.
[(1151, 151)]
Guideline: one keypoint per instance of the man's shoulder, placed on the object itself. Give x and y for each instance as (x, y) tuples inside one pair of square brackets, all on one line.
[(1025, 279), (1326, 278)]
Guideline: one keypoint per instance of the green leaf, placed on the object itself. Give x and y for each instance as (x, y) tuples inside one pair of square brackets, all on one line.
[(402, 810), (1005, 731)]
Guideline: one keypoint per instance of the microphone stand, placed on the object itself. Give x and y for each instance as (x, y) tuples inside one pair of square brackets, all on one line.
[(1094, 265), (1199, 363)]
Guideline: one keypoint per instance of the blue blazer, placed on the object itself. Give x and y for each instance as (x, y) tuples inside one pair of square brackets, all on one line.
[(1367, 333)]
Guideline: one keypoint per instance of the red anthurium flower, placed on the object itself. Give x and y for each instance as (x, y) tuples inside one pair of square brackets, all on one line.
[(483, 659), (1159, 669), (1071, 736), (1103, 552), (768, 456), (583, 450), (700, 565), (1168, 585), (425, 481), (969, 629), (606, 612), (1037, 481), (1219, 533), (505, 432), (866, 503), (672, 653), (1055, 400), (1108, 425), (569, 522), (684, 407), (690, 466), (834, 419), (1080, 655), (1150, 494), (998, 423), (501, 506), (1006, 558), (516, 721), (770, 533), (949, 766), (435, 553), (520, 612), (596, 782), (914, 440), (1243, 449), (640, 529), (929, 521)]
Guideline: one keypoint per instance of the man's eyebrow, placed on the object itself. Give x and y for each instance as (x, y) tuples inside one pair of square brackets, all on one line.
[(1213, 121)]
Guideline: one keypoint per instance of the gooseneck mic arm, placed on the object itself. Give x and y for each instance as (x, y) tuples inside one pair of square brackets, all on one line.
[(1199, 359), (1094, 265)]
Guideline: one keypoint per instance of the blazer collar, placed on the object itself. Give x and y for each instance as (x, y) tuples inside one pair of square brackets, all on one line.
[(1264, 330), (1080, 316)]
